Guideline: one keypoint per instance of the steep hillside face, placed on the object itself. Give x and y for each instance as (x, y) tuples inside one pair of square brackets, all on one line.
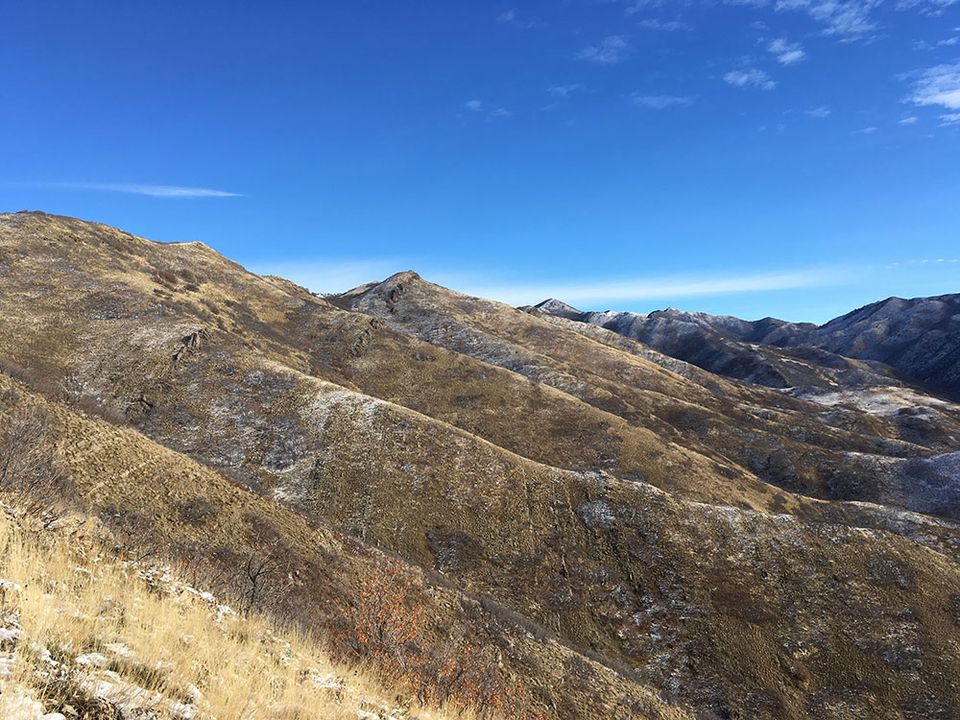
[(920, 338), (622, 534)]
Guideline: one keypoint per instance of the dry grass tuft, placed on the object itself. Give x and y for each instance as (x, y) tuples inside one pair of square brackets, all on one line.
[(87, 635)]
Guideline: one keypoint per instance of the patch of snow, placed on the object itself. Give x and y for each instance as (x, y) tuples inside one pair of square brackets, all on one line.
[(596, 514), (93, 659), (17, 704), (882, 401), (119, 649), (8, 586), (182, 711), (325, 681)]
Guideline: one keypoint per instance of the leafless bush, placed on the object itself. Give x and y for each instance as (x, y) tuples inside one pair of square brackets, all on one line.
[(165, 278), (259, 577), (131, 533), (197, 511), (29, 468)]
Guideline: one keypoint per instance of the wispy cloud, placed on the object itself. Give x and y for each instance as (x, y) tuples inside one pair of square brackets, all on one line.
[(661, 102), (945, 42), (786, 52), (846, 19), (937, 86), (660, 288), (609, 51), (516, 20), (865, 131), (909, 120), (820, 113), (636, 6), (927, 7), (491, 113), (665, 25), (562, 92), (751, 77), (157, 191)]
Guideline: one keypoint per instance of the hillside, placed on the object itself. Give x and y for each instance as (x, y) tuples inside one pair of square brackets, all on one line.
[(579, 525)]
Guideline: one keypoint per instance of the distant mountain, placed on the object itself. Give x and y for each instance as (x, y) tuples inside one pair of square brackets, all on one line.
[(756, 352), (916, 341), (919, 337), (517, 510)]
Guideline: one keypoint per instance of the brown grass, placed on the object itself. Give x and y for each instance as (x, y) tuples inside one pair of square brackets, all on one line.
[(98, 634)]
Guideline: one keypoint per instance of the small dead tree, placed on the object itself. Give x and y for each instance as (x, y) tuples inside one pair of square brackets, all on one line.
[(257, 574)]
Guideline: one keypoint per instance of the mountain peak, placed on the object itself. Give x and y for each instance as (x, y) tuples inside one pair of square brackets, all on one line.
[(552, 306)]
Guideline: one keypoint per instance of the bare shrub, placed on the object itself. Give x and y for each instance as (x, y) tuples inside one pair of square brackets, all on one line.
[(29, 467), (165, 279), (258, 576), (131, 533), (388, 624), (197, 511)]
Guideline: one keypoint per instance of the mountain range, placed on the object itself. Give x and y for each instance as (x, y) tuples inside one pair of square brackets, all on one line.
[(587, 515), (917, 341)]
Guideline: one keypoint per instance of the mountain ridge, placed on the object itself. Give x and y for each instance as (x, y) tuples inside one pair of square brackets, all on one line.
[(889, 340), (615, 532)]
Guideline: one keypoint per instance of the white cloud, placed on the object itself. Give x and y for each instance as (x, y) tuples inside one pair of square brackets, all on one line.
[(492, 113), (562, 92), (865, 131), (665, 25), (786, 52), (659, 288), (751, 77), (157, 191), (609, 51), (927, 7), (846, 19), (661, 102), (640, 5), (938, 85), (820, 112), (950, 119), (508, 16), (910, 120)]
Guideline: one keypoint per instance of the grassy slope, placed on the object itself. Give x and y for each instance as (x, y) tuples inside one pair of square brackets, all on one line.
[(87, 630), (156, 500)]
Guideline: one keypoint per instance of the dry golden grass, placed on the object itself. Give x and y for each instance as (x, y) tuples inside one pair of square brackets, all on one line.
[(83, 630)]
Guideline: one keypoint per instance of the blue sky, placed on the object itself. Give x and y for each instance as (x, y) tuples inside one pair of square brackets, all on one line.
[(788, 157)]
